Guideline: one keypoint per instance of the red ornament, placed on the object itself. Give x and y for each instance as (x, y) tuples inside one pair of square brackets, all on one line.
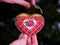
[(29, 23)]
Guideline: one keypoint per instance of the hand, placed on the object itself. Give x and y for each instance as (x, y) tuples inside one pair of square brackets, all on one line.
[(25, 40), (21, 2)]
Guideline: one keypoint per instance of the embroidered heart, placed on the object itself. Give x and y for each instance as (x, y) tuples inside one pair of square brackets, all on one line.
[(29, 23)]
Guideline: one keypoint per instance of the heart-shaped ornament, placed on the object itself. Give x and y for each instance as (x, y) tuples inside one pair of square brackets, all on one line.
[(29, 23)]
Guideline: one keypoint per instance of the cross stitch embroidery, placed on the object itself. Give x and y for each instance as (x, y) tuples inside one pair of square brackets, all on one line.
[(29, 23)]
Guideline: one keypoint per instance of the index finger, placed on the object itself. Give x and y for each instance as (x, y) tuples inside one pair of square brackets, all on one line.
[(33, 2), (34, 40)]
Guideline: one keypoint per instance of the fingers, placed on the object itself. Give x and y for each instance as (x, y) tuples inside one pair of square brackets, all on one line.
[(20, 36), (29, 41), (34, 40), (23, 38), (22, 41), (33, 2), (23, 3)]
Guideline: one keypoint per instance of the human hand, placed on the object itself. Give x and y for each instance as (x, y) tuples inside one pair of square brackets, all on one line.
[(21, 41), (21, 2), (32, 40), (25, 40)]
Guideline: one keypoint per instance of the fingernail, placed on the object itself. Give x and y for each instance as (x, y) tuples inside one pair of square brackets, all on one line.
[(25, 36)]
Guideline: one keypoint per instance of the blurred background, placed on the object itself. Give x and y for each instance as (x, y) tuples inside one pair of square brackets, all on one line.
[(50, 34)]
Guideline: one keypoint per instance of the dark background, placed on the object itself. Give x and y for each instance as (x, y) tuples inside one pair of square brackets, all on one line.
[(50, 34)]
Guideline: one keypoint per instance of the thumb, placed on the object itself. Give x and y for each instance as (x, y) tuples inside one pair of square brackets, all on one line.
[(21, 41), (23, 3), (24, 37)]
